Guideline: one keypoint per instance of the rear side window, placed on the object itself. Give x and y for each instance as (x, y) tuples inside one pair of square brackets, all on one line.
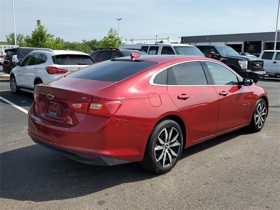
[(112, 70), (267, 55), (153, 50), (189, 73), (72, 60)]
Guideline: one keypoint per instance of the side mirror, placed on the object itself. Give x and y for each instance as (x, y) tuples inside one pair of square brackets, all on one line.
[(215, 56), (247, 82)]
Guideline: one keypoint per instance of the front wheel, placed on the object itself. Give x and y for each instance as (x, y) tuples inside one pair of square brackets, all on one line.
[(259, 115), (164, 147)]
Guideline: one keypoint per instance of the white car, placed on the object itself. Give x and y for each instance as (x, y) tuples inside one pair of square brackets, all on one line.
[(271, 62), (43, 66)]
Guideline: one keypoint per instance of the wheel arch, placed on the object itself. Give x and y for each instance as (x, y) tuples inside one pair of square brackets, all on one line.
[(36, 80)]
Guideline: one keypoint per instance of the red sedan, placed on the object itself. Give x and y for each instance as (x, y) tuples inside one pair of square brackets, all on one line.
[(144, 109)]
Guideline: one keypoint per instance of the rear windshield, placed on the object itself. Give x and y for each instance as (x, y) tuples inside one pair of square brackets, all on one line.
[(72, 60), (9, 54), (112, 70), (188, 50)]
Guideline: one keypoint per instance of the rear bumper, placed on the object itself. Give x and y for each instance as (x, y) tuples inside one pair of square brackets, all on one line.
[(95, 140), (81, 157)]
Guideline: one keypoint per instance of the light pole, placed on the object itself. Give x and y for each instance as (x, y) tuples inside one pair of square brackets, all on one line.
[(276, 30), (119, 19), (15, 34)]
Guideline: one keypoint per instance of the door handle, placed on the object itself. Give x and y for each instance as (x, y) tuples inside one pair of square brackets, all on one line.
[(274, 62), (183, 96), (223, 93)]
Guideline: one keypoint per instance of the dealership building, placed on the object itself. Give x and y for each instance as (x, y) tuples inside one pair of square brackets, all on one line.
[(253, 43)]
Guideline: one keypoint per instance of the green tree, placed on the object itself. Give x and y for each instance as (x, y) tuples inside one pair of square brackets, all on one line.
[(39, 37), (111, 40), (92, 44), (76, 46), (20, 39)]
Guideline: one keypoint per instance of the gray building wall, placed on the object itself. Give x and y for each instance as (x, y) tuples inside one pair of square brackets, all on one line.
[(254, 42)]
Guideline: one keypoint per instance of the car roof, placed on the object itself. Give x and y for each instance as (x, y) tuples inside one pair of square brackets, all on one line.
[(62, 52), (168, 58)]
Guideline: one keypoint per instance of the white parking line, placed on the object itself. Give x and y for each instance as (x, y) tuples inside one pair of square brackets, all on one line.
[(14, 105), (269, 85)]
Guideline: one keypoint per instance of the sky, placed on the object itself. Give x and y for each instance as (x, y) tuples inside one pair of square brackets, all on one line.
[(77, 20)]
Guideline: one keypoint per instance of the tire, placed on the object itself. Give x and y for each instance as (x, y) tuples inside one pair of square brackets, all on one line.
[(13, 85), (259, 116), (164, 147)]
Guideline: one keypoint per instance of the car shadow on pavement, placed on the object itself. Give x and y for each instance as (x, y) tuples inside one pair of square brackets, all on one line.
[(36, 174)]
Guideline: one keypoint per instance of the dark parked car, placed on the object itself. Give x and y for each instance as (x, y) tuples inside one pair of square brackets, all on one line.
[(103, 54), (246, 66), (18, 54), (145, 109)]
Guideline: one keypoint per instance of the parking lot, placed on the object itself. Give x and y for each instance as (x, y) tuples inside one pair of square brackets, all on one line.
[(239, 170)]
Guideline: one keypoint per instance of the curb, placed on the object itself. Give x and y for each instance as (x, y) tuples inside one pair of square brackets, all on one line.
[(3, 75)]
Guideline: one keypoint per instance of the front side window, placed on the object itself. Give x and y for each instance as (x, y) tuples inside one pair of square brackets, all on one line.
[(267, 55), (33, 59), (226, 51), (277, 57), (167, 51), (188, 50), (222, 75), (25, 61)]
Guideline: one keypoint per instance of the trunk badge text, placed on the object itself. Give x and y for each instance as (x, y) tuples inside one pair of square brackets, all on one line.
[(50, 97)]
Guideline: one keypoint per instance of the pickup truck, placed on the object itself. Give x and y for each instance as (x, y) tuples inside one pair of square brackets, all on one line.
[(245, 66), (271, 62)]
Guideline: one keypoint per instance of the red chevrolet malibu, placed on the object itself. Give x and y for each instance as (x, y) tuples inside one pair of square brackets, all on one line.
[(143, 109)]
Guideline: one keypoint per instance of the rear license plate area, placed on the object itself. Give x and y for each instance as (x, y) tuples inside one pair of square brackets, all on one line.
[(54, 109)]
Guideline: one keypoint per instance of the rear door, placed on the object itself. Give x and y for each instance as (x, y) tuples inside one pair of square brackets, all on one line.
[(235, 101), (197, 101)]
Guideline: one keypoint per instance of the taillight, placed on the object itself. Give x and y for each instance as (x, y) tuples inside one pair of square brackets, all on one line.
[(104, 108), (55, 70), (79, 107), (99, 108)]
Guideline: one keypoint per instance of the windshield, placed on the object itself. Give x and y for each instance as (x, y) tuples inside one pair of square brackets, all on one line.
[(226, 51), (188, 50)]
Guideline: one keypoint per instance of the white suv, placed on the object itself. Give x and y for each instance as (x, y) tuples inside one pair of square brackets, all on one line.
[(271, 62), (165, 49), (43, 66)]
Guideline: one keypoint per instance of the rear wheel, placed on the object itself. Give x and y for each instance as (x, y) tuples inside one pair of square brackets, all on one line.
[(259, 115), (13, 85), (164, 147)]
